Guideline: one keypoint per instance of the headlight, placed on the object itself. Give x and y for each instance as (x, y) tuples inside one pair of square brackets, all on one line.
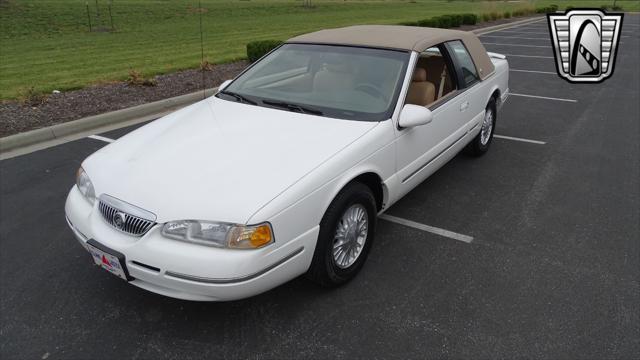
[(220, 234), (85, 186)]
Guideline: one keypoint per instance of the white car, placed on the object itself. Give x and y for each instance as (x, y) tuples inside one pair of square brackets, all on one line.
[(284, 171)]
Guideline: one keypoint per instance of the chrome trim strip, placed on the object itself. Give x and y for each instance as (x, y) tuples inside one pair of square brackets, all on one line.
[(434, 158), (233, 280), (128, 208)]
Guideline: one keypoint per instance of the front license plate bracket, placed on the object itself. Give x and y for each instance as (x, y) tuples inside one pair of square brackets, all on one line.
[(100, 261)]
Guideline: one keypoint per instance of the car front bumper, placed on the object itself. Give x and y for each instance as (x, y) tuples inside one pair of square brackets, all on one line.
[(189, 271)]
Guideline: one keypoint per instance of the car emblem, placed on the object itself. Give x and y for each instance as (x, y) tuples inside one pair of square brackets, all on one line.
[(585, 43), (119, 220)]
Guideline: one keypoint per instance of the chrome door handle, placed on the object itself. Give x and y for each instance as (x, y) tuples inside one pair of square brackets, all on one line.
[(464, 106)]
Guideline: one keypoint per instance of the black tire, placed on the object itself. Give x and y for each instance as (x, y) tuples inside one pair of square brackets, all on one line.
[(476, 147), (324, 270)]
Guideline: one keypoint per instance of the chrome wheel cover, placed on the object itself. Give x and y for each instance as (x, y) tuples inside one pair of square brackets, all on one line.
[(487, 127), (350, 236)]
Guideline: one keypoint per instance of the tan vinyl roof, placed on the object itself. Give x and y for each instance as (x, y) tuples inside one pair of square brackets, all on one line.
[(400, 37)]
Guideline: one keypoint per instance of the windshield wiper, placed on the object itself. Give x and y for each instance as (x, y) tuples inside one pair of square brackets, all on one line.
[(293, 107), (240, 98)]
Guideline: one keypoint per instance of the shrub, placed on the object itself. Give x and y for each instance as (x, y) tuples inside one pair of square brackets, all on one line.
[(448, 21), (617, 8), (494, 16), (506, 15), (456, 20), (548, 9), (410, 23), (442, 21), (257, 49), (137, 79), (432, 22), (486, 17), (469, 19), (30, 96)]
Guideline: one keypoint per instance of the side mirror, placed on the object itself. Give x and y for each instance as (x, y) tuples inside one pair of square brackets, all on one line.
[(224, 85), (414, 115)]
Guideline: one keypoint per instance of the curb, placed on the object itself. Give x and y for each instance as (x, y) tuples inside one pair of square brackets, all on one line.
[(57, 131), (488, 29), (146, 111)]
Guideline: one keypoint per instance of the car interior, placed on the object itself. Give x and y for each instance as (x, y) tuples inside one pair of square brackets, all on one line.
[(431, 79)]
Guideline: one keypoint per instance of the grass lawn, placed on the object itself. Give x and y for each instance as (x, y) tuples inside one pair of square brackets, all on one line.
[(46, 44)]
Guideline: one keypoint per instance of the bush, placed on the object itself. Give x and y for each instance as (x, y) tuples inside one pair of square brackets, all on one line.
[(409, 23), (486, 17), (449, 21), (548, 9), (506, 15), (457, 20), (137, 79), (432, 22), (443, 21), (617, 8), (469, 19), (257, 49), (494, 16)]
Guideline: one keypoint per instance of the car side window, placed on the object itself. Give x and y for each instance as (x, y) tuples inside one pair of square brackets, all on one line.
[(432, 78), (465, 62)]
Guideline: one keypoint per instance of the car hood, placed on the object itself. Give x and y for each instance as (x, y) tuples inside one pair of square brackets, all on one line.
[(216, 159)]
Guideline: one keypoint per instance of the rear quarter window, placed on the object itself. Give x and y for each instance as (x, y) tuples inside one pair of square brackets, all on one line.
[(465, 62)]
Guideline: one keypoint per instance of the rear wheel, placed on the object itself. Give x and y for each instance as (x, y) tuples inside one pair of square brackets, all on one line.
[(480, 144), (346, 234)]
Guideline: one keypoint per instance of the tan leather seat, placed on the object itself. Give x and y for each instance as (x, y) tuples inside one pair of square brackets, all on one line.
[(436, 65), (421, 92)]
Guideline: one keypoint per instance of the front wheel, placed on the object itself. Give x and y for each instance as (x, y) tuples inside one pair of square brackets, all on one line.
[(346, 234), (480, 144)]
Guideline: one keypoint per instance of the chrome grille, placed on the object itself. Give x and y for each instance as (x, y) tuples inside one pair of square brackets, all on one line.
[(124, 216)]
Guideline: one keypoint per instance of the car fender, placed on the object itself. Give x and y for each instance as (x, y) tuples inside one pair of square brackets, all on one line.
[(302, 206)]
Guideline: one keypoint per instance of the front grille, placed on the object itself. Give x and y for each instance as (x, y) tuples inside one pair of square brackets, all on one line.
[(118, 214)]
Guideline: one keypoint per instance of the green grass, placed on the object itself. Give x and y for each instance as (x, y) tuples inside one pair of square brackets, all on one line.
[(46, 45)]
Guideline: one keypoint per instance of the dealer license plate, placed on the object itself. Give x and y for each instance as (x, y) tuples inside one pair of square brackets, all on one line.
[(109, 262)]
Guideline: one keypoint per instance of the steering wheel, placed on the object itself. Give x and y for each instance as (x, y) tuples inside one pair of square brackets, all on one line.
[(371, 90)]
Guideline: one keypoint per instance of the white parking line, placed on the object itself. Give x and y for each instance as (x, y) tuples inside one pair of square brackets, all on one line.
[(427, 228), (516, 37), (526, 32), (511, 27), (534, 46), (101, 138), (538, 142), (534, 71), (543, 97), (529, 56)]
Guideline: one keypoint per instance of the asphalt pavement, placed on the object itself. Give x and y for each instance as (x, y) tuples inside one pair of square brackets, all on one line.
[(552, 272)]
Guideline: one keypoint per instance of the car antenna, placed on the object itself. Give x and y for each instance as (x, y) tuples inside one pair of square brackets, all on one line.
[(204, 87)]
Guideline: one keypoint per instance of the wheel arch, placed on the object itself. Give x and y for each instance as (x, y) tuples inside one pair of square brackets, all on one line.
[(374, 182), (495, 95)]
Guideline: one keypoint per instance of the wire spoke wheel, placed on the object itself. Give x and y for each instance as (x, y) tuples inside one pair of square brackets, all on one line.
[(487, 127), (350, 236)]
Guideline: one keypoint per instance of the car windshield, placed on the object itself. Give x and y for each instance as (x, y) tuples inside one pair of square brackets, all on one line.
[(335, 81)]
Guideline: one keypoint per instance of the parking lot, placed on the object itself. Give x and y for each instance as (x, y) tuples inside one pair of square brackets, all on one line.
[(531, 251)]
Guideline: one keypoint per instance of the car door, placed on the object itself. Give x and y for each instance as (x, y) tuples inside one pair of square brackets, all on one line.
[(421, 150), (469, 79)]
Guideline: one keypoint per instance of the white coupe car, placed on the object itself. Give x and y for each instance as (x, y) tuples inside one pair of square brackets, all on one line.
[(284, 171)]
